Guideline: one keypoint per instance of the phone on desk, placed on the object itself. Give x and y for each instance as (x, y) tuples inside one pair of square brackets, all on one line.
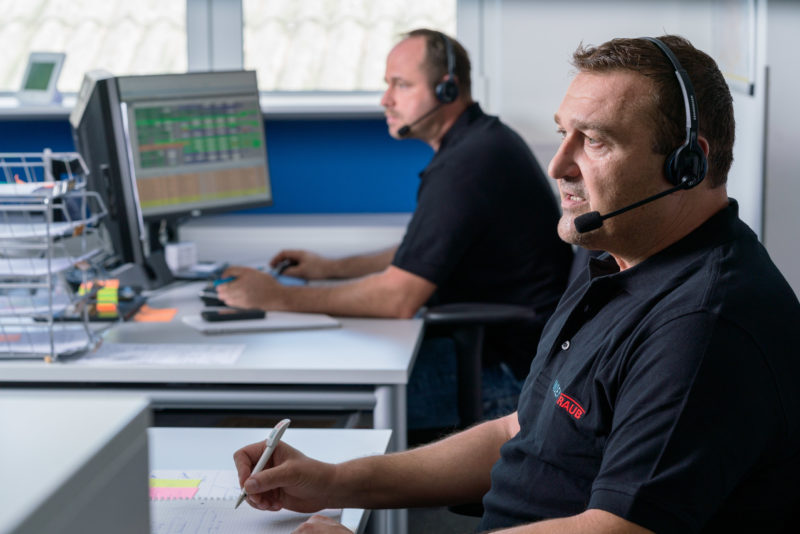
[(231, 314)]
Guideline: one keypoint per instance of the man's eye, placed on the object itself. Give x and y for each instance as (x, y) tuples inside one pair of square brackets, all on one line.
[(562, 134)]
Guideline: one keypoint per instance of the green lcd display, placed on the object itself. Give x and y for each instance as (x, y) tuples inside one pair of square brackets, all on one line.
[(39, 76)]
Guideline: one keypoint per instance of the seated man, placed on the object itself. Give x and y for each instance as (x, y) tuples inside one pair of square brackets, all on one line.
[(484, 231), (664, 395)]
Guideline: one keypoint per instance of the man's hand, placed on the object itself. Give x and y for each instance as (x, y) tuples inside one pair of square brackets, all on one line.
[(306, 264), (291, 480), (251, 289), (319, 524)]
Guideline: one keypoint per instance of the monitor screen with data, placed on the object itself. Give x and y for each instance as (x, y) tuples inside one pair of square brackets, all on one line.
[(196, 142)]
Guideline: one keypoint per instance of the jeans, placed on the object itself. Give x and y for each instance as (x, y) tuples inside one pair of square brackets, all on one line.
[(433, 387)]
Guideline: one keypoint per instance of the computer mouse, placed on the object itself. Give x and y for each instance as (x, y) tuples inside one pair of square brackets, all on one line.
[(283, 265), (209, 296)]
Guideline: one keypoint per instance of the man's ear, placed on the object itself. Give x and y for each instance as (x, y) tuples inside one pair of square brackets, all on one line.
[(703, 142)]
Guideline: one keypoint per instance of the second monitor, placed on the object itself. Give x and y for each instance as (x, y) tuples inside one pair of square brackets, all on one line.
[(166, 147)]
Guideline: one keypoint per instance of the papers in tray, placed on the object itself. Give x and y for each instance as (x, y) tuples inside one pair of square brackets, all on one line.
[(274, 321)]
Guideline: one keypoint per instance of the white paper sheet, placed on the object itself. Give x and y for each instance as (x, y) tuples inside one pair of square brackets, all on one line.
[(219, 517), (162, 354), (38, 266), (34, 340)]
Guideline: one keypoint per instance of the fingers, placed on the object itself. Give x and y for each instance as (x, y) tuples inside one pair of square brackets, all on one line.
[(320, 524), (294, 255), (236, 271), (246, 458)]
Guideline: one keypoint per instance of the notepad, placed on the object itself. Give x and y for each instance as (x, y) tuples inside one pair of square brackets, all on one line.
[(201, 501), (275, 321), (219, 517), (194, 484)]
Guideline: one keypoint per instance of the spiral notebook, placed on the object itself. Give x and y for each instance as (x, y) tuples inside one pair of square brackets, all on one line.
[(202, 501)]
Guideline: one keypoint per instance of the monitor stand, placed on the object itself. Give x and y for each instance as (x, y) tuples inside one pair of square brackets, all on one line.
[(154, 274)]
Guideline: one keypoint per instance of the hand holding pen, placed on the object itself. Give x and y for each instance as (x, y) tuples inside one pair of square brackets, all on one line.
[(271, 442)]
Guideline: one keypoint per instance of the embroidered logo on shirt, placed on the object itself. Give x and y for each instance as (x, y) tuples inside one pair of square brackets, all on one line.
[(570, 405)]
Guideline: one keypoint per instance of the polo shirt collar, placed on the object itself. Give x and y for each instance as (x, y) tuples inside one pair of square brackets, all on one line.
[(470, 113), (665, 264), (451, 137)]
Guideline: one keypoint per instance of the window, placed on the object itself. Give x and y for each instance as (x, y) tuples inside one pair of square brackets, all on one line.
[(120, 36), (295, 45), (332, 45)]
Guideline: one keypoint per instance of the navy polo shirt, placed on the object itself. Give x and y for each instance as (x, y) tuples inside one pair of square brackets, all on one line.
[(485, 226), (666, 394)]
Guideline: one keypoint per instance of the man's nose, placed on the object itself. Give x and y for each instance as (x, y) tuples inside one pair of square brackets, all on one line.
[(563, 163)]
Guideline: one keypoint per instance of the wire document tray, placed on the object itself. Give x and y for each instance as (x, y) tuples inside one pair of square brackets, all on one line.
[(50, 246)]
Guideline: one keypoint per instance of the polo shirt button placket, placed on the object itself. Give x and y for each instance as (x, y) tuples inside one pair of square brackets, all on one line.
[(565, 345)]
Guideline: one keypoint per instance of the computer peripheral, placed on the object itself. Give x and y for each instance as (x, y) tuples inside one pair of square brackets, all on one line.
[(282, 266), (209, 295)]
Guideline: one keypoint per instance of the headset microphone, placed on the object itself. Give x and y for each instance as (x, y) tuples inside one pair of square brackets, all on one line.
[(593, 220), (406, 129)]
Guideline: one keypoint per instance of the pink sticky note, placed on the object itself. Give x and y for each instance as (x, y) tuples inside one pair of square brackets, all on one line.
[(167, 493)]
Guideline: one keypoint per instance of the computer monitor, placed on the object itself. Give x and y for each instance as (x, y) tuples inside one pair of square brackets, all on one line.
[(162, 148)]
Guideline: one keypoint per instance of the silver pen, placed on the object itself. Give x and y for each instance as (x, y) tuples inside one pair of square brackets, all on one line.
[(271, 442)]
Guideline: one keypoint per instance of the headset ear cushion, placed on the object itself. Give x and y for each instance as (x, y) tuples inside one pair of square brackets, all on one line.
[(447, 91), (687, 166)]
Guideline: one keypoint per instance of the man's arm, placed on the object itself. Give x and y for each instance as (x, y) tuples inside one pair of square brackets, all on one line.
[(589, 522), (312, 266), (393, 292), (456, 469)]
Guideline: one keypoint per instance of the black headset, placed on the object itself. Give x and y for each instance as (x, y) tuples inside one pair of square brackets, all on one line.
[(447, 90), (687, 165)]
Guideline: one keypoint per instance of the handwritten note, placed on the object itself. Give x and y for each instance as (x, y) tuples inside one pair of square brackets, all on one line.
[(204, 516)]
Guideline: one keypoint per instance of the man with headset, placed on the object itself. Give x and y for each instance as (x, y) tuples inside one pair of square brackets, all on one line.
[(484, 230), (663, 396)]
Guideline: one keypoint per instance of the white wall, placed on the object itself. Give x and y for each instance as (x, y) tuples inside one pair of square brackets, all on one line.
[(782, 207), (522, 50)]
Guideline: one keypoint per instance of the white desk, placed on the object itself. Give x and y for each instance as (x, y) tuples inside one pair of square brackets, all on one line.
[(74, 464), (363, 365), (212, 448), (255, 238)]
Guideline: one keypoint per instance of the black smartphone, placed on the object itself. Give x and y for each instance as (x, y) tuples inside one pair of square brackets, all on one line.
[(231, 314)]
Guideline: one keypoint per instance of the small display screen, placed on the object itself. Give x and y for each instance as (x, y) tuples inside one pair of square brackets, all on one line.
[(39, 76)]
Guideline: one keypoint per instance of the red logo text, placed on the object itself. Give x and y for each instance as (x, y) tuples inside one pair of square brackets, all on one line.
[(571, 406)]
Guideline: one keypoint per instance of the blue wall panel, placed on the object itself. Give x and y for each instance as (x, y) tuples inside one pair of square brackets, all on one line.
[(325, 166), (316, 166)]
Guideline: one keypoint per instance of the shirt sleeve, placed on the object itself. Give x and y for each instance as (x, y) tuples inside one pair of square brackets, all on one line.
[(694, 413)]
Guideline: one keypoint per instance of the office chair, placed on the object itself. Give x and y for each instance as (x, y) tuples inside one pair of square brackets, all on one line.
[(466, 324)]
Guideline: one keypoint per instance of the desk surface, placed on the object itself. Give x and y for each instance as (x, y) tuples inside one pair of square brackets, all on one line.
[(213, 448), (362, 351)]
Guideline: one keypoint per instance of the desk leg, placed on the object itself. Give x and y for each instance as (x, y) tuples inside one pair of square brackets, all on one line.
[(390, 412)]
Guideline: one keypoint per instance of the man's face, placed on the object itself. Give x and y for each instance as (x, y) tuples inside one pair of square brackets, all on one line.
[(606, 159), (408, 95)]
